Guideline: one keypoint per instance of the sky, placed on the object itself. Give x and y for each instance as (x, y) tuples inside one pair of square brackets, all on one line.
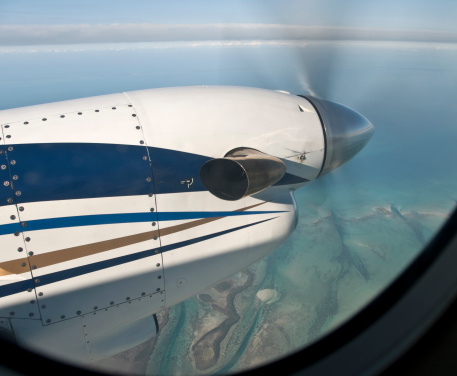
[(70, 22)]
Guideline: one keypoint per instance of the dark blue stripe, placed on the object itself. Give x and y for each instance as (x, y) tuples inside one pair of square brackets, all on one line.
[(89, 220), (69, 171), (75, 272), (174, 216), (16, 287), (103, 219), (10, 228)]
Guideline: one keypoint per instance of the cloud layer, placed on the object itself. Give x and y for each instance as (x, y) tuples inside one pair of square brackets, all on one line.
[(17, 35)]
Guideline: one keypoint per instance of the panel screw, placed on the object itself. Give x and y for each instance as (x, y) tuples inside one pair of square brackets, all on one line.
[(148, 179), (32, 302), (97, 110), (27, 239), (141, 142), (6, 183), (23, 264), (16, 233), (20, 249), (157, 264), (152, 209), (13, 162), (159, 277), (130, 105), (134, 115), (155, 237), (127, 298), (3, 167), (10, 148), (150, 194), (34, 267), (13, 217), (37, 280), (31, 314), (158, 289), (62, 317), (21, 208), (137, 127), (8, 136), (24, 224), (113, 108), (15, 177), (40, 294), (7, 126), (80, 113), (143, 294), (12, 313), (9, 200), (156, 251), (78, 312), (111, 303), (62, 116), (30, 253), (95, 307), (26, 122), (48, 321), (44, 119), (144, 159), (153, 223), (18, 193), (29, 290)]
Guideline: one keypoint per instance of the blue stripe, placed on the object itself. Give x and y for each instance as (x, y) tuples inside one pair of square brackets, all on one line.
[(16, 287), (10, 228), (75, 272), (175, 216), (103, 219), (70, 171)]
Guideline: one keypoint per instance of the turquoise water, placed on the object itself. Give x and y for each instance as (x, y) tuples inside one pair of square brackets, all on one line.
[(359, 226)]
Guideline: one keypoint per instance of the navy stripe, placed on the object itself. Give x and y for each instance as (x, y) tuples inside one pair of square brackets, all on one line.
[(69, 171), (10, 228), (174, 216), (103, 219), (75, 272), (16, 287)]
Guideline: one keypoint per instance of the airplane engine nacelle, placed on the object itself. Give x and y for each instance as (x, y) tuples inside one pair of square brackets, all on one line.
[(113, 208), (242, 172)]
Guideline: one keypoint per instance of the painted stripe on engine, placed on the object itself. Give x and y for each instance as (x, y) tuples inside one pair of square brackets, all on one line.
[(46, 279), (73, 253), (104, 219), (70, 171)]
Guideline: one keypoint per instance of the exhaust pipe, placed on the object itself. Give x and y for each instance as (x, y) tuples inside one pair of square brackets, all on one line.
[(242, 172)]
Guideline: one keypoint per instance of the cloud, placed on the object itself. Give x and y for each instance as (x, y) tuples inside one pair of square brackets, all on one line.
[(21, 35)]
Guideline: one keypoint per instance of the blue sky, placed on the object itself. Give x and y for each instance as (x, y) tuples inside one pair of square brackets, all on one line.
[(399, 14), (32, 22)]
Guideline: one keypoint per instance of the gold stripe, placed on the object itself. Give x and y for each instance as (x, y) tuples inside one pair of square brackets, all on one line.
[(68, 254), (14, 267)]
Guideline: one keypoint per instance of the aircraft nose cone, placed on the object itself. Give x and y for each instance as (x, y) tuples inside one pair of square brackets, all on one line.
[(346, 132)]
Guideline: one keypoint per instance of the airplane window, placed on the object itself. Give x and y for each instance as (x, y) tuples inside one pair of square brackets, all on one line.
[(359, 225)]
